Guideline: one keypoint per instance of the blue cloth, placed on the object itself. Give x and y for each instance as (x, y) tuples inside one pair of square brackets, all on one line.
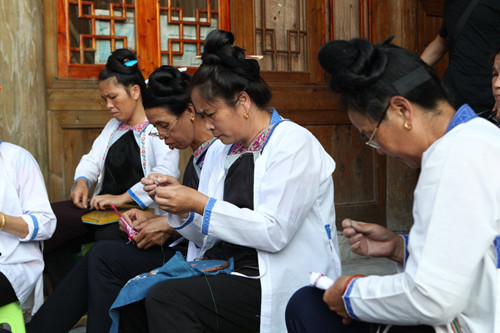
[(176, 268)]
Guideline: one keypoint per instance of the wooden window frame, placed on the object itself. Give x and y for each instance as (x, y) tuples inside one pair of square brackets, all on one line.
[(147, 38)]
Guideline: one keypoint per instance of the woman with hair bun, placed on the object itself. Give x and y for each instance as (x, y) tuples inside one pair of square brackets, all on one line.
[(265, 199), (120, 156), (448, 281), (97, 278)]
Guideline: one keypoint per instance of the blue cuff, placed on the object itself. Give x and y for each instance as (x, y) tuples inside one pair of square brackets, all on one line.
[(86, 179), (347, 301), (207, 214), (189, 220), (136, 199), (35, 227), (406, 238)]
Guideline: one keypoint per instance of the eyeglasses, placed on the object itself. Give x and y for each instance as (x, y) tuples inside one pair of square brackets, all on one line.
[(164, 134), (371, 141)]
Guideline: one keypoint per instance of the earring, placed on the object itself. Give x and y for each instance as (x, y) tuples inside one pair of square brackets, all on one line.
[(192, 118), (407, 126), (135, 99), (246, 115)]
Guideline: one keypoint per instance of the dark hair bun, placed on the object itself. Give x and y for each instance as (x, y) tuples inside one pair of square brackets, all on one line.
[(117, 59), (167, 81), (353, 64), (219, 49)]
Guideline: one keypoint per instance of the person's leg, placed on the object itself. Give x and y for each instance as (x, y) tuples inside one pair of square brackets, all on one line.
[(69, 225), (66, 305), (93, 285), (6, 290), (218, 303), (307, 313), (133, 318), (112, 264)]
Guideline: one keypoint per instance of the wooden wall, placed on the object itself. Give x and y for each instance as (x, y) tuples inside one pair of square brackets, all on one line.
[(23, 112), (367, 186)]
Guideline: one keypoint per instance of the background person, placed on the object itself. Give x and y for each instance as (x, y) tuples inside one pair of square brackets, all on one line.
[(448, 281), (467, 76)]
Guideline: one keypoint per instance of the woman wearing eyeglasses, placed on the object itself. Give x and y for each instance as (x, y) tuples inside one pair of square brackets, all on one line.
[(448, 279), (97, 278)]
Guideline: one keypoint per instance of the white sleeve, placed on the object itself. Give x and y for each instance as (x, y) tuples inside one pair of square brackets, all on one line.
[(160, 159), (35, 204), (455, 212), (88, 167)]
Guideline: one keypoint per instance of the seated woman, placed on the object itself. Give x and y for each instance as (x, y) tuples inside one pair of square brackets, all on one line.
[(449, 282), (97, 278), (120, 156), (26, 219), (265, 199)]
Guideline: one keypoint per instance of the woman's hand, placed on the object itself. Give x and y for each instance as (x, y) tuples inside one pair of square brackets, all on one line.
[(152, 181), (104, 201), (176, 198), (154, 231), (80, 194), (333, 298), (370, 239)]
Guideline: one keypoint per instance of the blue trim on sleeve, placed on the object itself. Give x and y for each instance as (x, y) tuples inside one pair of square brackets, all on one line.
[(82, 177), (328, 231), (207, 214), (35, 227), (136, 199), (347, 301), (407, 254), (497, 246), (189, 220)]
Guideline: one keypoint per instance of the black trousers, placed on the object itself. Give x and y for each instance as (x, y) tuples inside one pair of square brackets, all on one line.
[(218, 303), (8, 295), (307, 313), (93, 284)]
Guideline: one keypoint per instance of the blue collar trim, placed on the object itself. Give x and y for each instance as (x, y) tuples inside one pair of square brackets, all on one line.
[(463, 115)]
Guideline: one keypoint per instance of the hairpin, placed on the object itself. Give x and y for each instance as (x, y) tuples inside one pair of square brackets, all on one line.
[(130, 63)]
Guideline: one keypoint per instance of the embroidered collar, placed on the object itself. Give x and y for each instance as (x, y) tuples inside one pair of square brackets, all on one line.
[(138, 128), (463, 115), (202, 148), (260, 140)]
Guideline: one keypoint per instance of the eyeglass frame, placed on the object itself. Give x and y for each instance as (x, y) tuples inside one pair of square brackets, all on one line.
[(165, 134), (371, 141)]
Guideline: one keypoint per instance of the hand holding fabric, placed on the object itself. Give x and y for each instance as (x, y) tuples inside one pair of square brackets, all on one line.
[(178, 199), (333, 298)]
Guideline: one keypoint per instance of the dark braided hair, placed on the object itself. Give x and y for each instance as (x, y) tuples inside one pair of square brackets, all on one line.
[(366, 75), (125, 75), (225, 72), (167, 88)]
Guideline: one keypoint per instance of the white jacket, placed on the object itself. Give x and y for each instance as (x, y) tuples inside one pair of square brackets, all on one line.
[(450, 277), (23, 193), (292, 225), (155, 157)]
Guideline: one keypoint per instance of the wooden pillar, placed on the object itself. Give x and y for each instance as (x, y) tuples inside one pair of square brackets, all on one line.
[(23, 114)]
